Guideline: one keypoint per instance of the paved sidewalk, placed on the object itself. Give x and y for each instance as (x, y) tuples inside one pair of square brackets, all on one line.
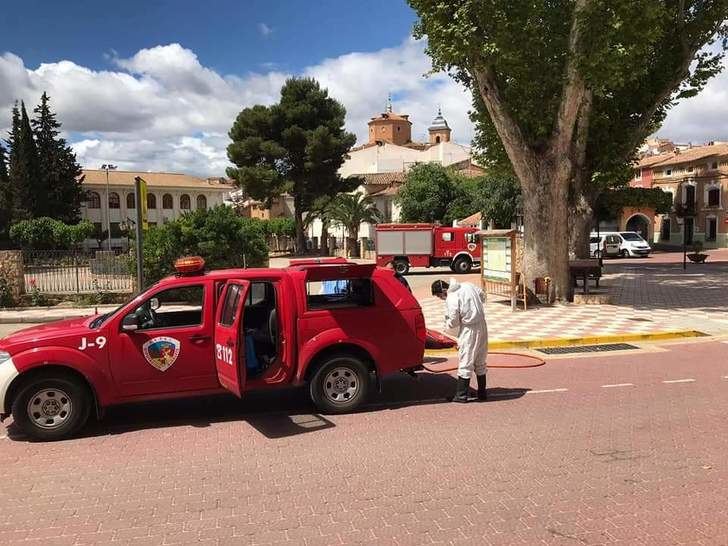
[(50, 314), (647, 298)]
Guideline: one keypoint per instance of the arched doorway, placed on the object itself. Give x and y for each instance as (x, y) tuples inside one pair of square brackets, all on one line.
[(639, 223)]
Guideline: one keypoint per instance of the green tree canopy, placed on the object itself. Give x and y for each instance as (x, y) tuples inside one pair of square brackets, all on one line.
[(23, 166), (611, 202), (295, 146), (60, 174), (46, 233), (426, 193), (6, 198), (219, 235), (570, 88), (350, 211)]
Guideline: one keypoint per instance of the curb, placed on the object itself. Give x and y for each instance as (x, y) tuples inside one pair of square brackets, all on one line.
[(40, 320), (586, 340)]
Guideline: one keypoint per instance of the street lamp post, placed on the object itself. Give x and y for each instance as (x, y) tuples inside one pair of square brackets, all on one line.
[(108, 167)]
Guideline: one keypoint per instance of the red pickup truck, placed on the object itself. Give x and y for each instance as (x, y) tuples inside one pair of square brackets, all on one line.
[(330, 324)]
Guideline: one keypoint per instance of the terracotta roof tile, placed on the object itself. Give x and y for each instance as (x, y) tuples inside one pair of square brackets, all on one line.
[(381, 178), (685, 156), (156, 180), (472, 220)]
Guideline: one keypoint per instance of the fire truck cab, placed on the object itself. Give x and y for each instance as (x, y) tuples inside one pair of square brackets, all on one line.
[(427, 245), (330, 324)]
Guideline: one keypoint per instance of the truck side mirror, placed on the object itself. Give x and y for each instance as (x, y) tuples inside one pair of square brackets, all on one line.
[(130, 323)]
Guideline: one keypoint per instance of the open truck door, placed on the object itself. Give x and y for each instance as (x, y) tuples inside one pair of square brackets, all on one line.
[(230, 337)]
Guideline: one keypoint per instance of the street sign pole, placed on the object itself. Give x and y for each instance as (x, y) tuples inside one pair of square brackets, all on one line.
[(139, 233)]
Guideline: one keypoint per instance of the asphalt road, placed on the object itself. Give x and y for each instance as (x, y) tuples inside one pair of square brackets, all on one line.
[(608, 449)]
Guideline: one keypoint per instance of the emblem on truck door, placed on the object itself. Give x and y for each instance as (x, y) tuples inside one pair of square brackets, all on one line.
[(161, 352)]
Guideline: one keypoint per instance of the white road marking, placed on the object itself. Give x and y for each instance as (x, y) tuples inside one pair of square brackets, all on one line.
[(679, 381), (547, 390), (618, 385)]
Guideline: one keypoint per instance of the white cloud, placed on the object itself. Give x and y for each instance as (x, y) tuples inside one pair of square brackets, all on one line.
[(264, 30), (161, 109), (703, 117)]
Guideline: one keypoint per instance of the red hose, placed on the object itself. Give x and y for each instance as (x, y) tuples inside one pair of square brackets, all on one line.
[(539, 362)]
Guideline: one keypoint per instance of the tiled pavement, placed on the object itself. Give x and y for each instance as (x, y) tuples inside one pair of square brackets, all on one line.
[(643, 464), (645, 299)]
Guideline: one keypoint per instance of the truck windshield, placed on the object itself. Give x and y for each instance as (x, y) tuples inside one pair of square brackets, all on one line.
[(631, 237), (98, 321)]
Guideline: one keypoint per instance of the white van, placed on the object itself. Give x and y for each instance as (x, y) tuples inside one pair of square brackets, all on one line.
[(619, 243)]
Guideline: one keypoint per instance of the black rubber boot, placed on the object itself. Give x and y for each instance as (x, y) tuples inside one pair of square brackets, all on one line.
[(461, 394), (481, 388)]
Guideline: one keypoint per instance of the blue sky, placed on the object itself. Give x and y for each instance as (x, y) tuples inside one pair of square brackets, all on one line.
[(231, 37), (156, 84)]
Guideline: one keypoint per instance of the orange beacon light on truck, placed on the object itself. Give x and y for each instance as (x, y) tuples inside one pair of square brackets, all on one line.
[(189, 265)]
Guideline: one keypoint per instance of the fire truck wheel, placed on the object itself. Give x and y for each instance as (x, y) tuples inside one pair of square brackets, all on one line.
[(340, 384), (462, 265), (401, 266), (51, 407)]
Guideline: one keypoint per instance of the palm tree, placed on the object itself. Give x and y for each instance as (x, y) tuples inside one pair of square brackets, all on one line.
[(351, 210)]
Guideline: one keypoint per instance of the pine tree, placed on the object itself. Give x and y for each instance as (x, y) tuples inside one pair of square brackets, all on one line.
[(58, 169), (23, 168), (6, 199)]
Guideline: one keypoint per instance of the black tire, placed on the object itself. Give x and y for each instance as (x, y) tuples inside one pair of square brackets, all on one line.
[(624, 253), (597, 254), (462, 266), (351, 373), (59, 393), (401, 266)]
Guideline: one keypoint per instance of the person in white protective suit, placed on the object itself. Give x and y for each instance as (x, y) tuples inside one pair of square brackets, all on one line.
[(466, 314)]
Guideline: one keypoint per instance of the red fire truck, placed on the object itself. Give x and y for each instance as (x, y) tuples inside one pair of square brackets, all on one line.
[(330, 324), (427, 245)]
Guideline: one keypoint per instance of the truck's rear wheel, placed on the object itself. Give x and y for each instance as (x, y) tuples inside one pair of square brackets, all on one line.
[(401, 266), (462, 265), (51, 408), (340, 384)]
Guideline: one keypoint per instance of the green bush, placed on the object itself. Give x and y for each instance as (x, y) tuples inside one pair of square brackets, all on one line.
[(48, 234), (219, 235)]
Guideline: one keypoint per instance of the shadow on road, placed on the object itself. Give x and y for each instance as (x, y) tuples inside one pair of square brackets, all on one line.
[(275, 414)]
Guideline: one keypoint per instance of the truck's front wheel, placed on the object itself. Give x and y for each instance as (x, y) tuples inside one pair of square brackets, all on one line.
[(51, 408), (462, 265), (340, 384)]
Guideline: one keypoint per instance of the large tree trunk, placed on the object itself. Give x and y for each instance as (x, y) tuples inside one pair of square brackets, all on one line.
[(300, 235), (582, 221), (324, 238), (546, 229)]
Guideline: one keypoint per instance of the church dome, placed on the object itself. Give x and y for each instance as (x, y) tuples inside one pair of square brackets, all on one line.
[(439, 123)]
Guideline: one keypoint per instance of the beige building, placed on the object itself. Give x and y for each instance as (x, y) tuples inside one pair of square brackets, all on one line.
[(697, 178), (169, 195)]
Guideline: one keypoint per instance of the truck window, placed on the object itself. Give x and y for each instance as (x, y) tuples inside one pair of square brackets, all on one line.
[(338, 293), (447, 236), (172, 308), (232, 297)]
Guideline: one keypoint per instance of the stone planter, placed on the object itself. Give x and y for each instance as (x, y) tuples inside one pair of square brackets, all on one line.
[(697, 257)]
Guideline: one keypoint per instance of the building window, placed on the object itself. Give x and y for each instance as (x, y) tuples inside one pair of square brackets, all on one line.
[(690, 169), (114, 201), (714, 197), (184, 202), (665, 229), (167, 201), (638, 174), (437, 140), (711, 229), (94, 200), (151, 201), (668, 172), (201, 202), (714, 165), (115, 229), (98, 230), (130, 201)]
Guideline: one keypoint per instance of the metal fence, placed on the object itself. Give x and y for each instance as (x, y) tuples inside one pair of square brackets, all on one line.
[(77, 272)]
